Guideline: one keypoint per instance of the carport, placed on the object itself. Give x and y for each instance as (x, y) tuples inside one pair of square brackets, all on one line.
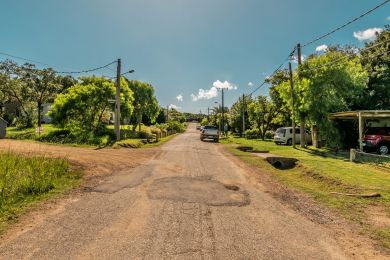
[(378, 118)]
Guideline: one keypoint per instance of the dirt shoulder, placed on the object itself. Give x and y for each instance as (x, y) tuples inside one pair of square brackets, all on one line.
[(93, 162), (345, 233)]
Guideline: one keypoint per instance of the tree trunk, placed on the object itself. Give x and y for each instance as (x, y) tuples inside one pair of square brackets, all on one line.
[(303, 132), (39, 114)]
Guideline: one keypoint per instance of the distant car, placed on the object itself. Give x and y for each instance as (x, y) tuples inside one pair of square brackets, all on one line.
[(377, 139), (198, 127), (210, 132), (284, 135)]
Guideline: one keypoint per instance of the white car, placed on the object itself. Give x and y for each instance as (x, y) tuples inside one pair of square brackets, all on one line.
[(284, 135)]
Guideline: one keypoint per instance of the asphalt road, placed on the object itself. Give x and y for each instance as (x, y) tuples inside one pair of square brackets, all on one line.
[(188, 202)]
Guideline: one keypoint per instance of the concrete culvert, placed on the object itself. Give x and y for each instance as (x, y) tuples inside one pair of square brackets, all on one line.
[(282, 163), (245, 148)]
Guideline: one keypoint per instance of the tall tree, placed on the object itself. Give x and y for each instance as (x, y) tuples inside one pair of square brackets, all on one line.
[(376, 60), (261, 112), (145, 103)]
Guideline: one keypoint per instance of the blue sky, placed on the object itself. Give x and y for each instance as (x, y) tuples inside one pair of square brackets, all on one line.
[(180, 46)]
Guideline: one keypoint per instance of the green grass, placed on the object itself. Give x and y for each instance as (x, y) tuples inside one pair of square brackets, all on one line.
[(161, 141), (25, 180), (320, 172)]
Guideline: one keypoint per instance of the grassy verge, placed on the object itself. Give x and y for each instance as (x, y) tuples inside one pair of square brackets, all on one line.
[(137, 143), (320, 172), (25, 180)]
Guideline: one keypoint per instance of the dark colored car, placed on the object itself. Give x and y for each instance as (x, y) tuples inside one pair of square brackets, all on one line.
[(377, 139)]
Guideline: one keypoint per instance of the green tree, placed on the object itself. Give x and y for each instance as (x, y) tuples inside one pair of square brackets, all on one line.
[(261, 112), (145, 103), (83, 107), (376, 60), (236, 114), (42, 85)]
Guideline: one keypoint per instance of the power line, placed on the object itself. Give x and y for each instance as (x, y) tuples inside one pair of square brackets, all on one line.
[(346, 24), (86, 71), (21, 58), (348, 55), (276, 70)]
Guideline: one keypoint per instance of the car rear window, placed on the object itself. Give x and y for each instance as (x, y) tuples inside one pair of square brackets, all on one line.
[(281, 131), (377, 131), (210, 127)]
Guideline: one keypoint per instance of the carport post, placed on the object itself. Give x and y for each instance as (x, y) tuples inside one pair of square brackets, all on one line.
[(360, 131)]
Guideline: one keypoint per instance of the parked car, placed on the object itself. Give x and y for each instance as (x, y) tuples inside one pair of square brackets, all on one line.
[(210, 132), (284, 135), (198, 127), (377, 139)]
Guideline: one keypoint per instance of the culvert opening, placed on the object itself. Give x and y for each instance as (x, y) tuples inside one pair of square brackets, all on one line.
[(282, 163), (245, 148)]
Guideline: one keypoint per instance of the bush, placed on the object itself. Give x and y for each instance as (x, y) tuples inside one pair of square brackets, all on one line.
[(269, 135), (176, 126), (252, 134)]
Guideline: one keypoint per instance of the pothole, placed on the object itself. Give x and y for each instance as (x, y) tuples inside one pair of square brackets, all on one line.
[(198, 190), (282, 163)]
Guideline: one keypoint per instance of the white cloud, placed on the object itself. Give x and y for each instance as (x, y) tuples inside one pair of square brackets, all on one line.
[(321, 48), (250, 84), (213, 91), (367, 35), (173, 106), (224, 85), (205, 94), (295, 58), (180, 98)]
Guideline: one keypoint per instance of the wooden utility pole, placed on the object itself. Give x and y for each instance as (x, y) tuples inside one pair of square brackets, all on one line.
[(243, 114), (167, 113), (223, 114), (118, 102), (302, 117), (292, 104)]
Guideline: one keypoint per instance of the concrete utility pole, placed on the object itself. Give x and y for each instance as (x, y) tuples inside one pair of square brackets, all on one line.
[(292, 104), (302, 123), (118, 102), (243, 114), (223, 114)]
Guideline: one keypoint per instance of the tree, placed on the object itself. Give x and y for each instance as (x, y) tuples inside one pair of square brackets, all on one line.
[(145, 103), (261, 112), (328, 83), (83, 107), (236, 113), (17, 91), (42, 85), (376, 60)]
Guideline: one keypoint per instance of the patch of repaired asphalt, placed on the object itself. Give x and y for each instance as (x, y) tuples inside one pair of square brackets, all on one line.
[(125, 179), (202, 190)]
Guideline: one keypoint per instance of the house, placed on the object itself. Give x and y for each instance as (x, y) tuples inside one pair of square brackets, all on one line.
[(3, 128)]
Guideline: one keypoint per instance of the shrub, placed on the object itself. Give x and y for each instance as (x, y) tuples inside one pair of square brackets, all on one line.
[(176, 126), (252, 134), (269, 134)]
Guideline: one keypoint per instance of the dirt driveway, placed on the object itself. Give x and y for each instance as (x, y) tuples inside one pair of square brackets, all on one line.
[(190, 201)]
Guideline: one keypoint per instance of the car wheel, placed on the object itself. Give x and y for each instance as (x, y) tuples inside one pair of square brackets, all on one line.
[(216, 140), (383, 149), (289, 142)]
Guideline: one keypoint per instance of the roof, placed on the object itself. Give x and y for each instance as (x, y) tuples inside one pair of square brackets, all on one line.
[(370, 114)]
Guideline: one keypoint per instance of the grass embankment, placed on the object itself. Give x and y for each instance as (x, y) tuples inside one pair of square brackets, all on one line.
[(320, 172), (25, 180)]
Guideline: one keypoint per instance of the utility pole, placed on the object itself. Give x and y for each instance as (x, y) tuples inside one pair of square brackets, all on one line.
[(223, 114), (208, 114), (118, 102), (167, 113), (302, 123), (243, 114), (292, 104)]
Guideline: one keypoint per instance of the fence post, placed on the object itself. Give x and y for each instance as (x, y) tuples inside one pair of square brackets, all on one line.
[(352, 155)]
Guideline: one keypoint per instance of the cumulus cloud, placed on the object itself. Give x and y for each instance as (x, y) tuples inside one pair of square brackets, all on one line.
[(224, 85), (367, 35), (173, 106), (179, 98), (205, 94), (250, 84), (321, 48), (213, 91)]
